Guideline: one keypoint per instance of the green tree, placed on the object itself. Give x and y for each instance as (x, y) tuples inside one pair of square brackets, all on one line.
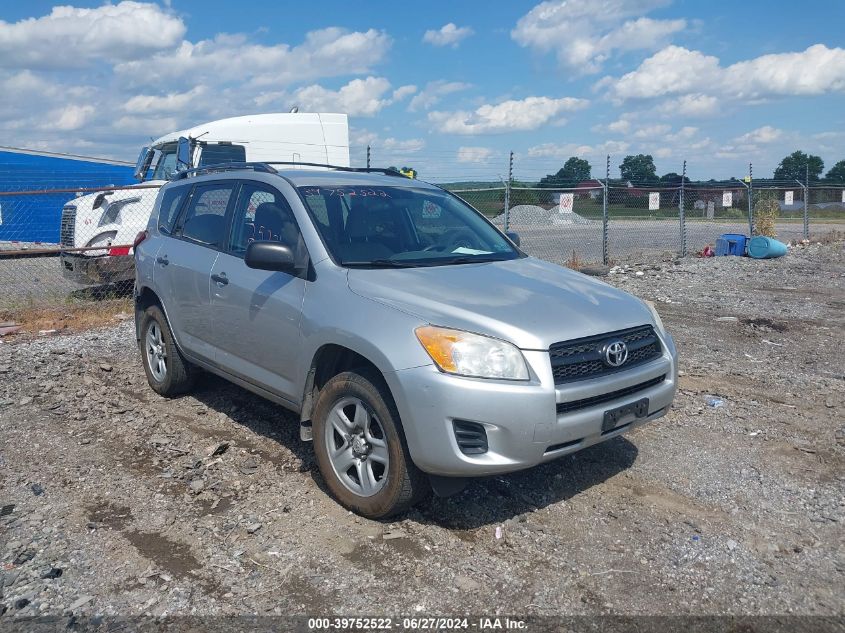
[(673, 179), (794, 167), (837, 172), (639, 169), (574, 170)]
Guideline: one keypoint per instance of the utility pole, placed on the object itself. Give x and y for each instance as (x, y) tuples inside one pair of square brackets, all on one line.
[(750, 204), (368, 156), (604, 253), (681, 213), (508, 192), (806, 195)]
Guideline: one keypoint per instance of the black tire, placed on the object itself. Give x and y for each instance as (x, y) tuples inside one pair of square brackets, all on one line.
[(405, 485), (178, 377)]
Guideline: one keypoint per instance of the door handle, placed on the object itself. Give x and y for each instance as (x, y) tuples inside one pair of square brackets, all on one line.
[(220, 280), (162, 260)]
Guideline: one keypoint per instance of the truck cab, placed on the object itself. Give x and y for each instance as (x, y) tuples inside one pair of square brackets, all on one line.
[(97, 229)]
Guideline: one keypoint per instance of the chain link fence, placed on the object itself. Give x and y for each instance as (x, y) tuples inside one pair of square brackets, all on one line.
[(74, 241), (62, 244)]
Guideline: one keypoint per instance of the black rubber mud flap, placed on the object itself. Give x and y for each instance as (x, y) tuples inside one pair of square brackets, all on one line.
[(447, 486)]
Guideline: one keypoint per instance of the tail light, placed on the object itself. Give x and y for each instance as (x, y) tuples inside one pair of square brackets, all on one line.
[(120, 250), (139, 238)]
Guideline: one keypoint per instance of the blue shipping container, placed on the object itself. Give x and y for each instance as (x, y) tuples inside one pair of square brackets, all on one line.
[(36, 217)]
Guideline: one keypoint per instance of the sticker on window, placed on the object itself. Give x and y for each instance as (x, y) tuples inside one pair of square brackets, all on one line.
[(430, 211)]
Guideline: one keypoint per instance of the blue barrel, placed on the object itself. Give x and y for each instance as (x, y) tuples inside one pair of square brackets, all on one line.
[(731, 244), (761, 247)]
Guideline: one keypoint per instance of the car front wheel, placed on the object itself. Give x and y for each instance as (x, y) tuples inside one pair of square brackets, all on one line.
[(360, 447), (168, 373)]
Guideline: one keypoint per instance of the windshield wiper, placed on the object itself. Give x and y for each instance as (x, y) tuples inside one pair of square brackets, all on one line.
[(380, 263), (465, 260)]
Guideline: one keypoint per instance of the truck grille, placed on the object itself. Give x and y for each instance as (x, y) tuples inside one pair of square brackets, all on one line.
[(582, 358), (68, 226)]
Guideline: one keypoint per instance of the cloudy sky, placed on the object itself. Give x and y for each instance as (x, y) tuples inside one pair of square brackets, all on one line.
[(448, 87)]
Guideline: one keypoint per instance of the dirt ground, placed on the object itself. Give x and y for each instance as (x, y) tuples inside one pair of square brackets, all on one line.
[(116, 501)]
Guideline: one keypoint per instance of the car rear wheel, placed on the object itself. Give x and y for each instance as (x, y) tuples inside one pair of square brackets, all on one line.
[(361, 449), (168, 373)]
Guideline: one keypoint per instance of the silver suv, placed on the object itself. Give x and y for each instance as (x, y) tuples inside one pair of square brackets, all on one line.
[(417, 343)]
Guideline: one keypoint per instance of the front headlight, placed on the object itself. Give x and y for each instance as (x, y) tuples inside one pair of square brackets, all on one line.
[(657, 320), (473, 355)]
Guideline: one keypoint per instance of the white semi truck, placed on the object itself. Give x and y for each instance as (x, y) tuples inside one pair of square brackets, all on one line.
[(98, 229)]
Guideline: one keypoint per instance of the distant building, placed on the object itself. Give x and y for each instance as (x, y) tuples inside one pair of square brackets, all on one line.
[(36, 217)]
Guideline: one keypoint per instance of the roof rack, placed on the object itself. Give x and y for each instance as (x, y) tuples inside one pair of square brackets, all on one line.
[(266, 167), (363, 170), (213, 169)]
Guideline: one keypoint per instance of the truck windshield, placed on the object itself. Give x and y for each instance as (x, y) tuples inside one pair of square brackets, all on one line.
[(384, 227), (166, 163), (211, 154)]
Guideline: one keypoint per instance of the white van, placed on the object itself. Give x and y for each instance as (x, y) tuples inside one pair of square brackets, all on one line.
[(100, 227)]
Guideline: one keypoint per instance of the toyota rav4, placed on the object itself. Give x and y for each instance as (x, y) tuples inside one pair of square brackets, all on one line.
[(418, 345)]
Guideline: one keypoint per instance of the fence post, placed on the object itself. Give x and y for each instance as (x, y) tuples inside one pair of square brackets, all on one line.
[(604, 253), (508, 192), (368, 156), (681, 215), (806, 195), (750, 204)]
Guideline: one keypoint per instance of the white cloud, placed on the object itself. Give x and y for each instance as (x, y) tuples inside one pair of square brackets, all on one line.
[(360, 97), (508, 116), (448, 35), (329, 52), (651, 131), (403, 91), (175, 102), (474, 154), (70, 37), (433, 92), (408, 145), (765, 134), (564, 150), (691, 105), (70, 117), (673, 70), (584, 35), (621, 126), (679, 71)]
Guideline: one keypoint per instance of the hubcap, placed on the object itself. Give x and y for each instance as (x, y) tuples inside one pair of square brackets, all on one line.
[(156, 352), (357, 447)]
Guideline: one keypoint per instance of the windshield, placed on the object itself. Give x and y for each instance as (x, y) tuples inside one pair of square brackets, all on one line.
[(166, 162), (211, 154), (402, 226)]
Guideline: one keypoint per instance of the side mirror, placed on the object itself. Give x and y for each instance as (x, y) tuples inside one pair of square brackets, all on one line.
[(183, 154), (143, 164), (270, 256), (513, 237)]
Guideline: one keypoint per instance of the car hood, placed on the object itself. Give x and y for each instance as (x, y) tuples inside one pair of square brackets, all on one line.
[(528, 302)]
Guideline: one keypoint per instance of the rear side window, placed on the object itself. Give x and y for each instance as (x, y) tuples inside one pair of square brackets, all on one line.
[(214, 154), (204, 220), (171, 202)]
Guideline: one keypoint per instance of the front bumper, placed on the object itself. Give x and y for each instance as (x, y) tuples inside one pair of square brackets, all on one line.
[(100, 269), (520, 418)]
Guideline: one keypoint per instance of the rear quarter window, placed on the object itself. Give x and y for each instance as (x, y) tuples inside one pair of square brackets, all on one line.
[(171, 203)]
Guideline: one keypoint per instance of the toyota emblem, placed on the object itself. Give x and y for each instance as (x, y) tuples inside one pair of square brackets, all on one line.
[(615, 353)]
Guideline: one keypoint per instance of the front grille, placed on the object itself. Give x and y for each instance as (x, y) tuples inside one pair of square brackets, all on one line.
[(575, 405), (580, 359), (68, 226), (471, 437)]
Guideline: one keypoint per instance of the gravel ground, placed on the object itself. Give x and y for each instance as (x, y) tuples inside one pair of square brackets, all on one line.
[(116, 501)]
